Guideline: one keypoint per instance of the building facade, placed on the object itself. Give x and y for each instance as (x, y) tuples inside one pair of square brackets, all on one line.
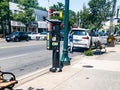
[(42, 25)]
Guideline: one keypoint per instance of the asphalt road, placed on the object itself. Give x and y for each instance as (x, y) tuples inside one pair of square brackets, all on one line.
[(24, 57)]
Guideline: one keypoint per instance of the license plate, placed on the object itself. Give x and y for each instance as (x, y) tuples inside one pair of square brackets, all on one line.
[(76, 42)]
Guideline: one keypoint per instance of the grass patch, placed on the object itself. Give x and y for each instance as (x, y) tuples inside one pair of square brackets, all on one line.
[(89, 52)]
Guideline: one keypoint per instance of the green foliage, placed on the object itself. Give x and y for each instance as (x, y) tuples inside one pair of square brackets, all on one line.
[(26, 13), (41, 8), (98, 11), (5, 15), (89, 52), (85, 18), (72, 17), (60, 7), (57, 17), (3, 9), (32, 3)]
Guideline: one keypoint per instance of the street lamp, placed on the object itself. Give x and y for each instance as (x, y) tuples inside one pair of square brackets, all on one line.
[(65, 59)]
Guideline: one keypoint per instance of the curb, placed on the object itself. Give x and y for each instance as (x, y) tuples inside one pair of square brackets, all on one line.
[(33, 75), (26, 78)]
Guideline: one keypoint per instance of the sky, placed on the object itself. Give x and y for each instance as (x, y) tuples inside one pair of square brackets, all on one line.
[(75, 5)]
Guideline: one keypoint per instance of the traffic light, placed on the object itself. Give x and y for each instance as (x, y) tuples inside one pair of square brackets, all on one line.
[(61, 14)]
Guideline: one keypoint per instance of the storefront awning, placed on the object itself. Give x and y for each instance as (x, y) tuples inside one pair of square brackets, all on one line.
[(17, 24)]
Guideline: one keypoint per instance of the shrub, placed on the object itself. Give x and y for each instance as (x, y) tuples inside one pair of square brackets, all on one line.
[(89, 52)]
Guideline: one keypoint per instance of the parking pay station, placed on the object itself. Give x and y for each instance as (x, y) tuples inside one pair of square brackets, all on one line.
[(55, 42)]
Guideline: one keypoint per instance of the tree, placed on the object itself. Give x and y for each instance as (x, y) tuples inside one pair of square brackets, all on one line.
[(72, 17), (26, 13), (58, 7), (4, 12), (34, 4), (61, 7), (98, 11), (3, 9), (85, 18)]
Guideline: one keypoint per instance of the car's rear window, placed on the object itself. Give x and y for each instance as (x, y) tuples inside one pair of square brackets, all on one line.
[(79, 32)]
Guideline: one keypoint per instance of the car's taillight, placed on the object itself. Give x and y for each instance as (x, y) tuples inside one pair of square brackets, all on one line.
[(85, 37)]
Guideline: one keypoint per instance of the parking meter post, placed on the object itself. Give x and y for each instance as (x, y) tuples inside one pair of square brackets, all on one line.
[(55, 45)]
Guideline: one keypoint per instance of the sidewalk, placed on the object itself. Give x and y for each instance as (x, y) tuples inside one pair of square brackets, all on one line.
[(2, 39), (98, 72)]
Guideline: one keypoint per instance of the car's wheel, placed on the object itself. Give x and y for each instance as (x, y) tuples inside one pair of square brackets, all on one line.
[(45, 38), (17, 39), (68, 48), (8, 40), (37, 38), (27, 39)]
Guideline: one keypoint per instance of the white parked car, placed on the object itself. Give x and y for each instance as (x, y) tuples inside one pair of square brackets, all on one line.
[(33, 35), (81, 38), (42, 36)]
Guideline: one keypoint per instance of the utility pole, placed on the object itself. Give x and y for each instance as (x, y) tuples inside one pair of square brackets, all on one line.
[(112, 16), (9, 20), (65, 60), (48, 14), (118, 9)]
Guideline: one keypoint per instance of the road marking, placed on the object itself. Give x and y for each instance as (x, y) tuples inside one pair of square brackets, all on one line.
[(21, 44), (13, 56), (10, 57), (16, 46), (13, 46)]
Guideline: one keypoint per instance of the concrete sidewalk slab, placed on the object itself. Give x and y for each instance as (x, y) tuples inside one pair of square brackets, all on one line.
[(99, 72), (2, 40), (71, 77)]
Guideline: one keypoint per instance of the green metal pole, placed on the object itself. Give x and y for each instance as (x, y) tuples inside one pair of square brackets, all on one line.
[(65, 59)]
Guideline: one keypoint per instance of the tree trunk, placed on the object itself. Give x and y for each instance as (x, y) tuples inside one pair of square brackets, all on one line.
[(3, 29)]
